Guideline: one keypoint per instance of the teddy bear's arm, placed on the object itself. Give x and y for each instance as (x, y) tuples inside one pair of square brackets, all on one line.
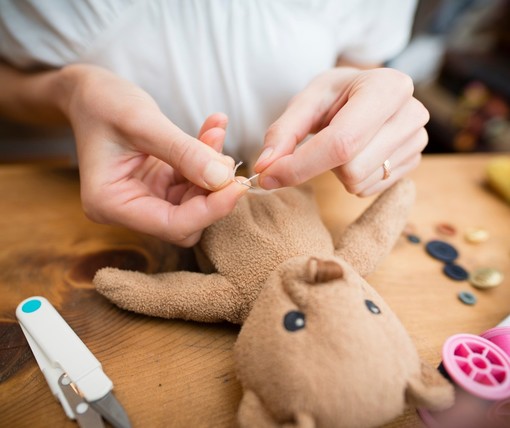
[(182, 295), (372, 236)]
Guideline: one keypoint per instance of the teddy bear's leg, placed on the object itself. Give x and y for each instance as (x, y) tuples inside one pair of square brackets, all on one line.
[(372, 236), (430, 390), (183, 295), (253, 414)]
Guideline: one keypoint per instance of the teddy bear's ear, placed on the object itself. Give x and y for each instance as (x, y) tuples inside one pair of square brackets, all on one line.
[(372, 236), (430, 390)]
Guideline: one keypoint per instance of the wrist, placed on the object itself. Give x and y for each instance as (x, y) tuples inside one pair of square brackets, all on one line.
[(65, 85), (30, 97)]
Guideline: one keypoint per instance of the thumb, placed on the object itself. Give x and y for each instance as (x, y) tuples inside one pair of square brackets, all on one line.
[(156, 135)]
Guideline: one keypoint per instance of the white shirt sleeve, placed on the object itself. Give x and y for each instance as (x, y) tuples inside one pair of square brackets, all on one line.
[(53, 33), (382, 30)]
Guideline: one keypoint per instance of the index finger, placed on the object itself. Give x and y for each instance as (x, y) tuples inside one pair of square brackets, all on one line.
[(348, 132), (154, 134)]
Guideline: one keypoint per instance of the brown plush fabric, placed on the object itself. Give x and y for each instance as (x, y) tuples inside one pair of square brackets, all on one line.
[(372, 236), (318, 345), (348, 366), (243, 249)]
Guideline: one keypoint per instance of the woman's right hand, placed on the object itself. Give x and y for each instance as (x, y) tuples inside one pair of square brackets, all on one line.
[(138, 169)]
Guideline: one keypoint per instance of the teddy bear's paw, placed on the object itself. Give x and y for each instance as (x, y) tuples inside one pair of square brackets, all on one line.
[(110, 280), (124, 288)]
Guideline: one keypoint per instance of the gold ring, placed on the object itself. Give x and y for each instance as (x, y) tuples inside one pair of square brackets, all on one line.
[(386, 166)]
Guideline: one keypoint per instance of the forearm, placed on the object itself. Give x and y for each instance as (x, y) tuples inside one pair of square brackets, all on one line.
[(33, 97)]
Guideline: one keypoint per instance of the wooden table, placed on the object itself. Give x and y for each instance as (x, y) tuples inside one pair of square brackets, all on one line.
[(180, 374)]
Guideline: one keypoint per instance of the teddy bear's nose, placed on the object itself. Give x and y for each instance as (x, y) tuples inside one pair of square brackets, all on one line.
[(320, 271), (316, 272)]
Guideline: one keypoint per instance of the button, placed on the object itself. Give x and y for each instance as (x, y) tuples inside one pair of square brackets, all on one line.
[(446, 229), (486, 278), (467, 298), (414, 239), (476, 235), (456, 272), (442, 251)]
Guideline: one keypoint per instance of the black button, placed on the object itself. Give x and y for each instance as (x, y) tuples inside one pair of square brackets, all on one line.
[(294, 320), (456, 272), (442, 251), (372, 307), (414, 239)]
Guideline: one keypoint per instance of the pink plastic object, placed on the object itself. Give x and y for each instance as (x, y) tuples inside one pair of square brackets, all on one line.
[(478, 366), (500, 336)]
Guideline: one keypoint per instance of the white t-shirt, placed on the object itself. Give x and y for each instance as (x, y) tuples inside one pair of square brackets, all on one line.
[(246, 58)]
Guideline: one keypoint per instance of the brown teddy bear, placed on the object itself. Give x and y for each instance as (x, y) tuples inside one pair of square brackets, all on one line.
[(318, 346)]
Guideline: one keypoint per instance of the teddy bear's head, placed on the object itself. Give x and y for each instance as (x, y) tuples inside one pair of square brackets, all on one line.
[(321, 341)]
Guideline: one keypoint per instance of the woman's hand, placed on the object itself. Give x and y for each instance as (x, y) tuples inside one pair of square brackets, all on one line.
[(360, 118), (138, 169)]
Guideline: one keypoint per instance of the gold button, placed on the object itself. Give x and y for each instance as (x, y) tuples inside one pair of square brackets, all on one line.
[(486, 278), (476, 235)]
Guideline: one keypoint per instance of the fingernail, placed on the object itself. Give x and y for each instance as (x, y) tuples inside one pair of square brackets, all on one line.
[(216, 174), (266, 154), (269, 183), (229, 160)]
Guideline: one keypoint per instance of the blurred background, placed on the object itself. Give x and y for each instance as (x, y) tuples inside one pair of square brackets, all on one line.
[(459, 59)]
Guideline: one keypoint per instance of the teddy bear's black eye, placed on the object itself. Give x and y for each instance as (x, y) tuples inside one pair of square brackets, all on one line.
[(372, 307), (294, 320)]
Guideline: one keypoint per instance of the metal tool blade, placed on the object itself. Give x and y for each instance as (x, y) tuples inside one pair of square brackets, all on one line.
[(112, 411), (85, 415)]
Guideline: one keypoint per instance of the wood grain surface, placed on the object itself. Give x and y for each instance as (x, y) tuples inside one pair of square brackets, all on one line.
[(180, 374)]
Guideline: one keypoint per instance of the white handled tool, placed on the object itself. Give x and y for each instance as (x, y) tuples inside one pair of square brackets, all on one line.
[(73, 373)]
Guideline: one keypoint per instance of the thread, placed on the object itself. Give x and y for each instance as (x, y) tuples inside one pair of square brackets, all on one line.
[(246, 182)]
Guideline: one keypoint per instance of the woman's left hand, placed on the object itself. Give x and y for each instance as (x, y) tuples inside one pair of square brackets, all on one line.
[(361, 119)]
